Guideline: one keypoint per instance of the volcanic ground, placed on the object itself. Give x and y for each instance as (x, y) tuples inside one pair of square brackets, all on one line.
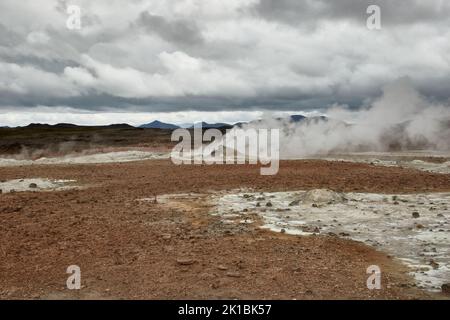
[(115, 224)]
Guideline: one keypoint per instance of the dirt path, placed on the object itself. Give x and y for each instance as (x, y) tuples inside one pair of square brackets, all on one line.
[(137, 249)]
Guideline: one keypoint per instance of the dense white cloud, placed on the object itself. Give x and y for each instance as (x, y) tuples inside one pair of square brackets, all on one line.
[(173, 55)]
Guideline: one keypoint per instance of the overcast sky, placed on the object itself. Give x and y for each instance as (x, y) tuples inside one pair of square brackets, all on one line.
[(188, 59)]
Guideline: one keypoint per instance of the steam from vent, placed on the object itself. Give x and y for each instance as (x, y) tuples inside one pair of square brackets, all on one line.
[(399, 120)]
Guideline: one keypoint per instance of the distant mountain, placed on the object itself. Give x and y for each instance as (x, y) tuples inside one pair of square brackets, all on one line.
[(240, 124), (119, 126), (159, 125), (71, 125), (50, 126), (297, 118), (206, 125)]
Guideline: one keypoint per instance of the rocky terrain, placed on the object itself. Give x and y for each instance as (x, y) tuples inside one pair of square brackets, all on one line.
[(131, 242)]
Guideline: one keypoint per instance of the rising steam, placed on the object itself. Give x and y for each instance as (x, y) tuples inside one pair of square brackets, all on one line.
[(401, 119)]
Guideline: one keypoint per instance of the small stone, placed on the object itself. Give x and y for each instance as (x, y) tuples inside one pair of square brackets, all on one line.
[(269, 204), (396, 203), (283, 231), (440, 215), (166, 236), (258, 205), (419, 226), (415, 215), (214, 285), (314, 205), (434, 264), (32, 185), (332, 234), (233, 274), (446, 288), (222, 267), (294, 203), (185, 262)]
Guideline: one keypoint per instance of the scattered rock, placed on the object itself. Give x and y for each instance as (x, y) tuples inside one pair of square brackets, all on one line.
[(32, 185), (415, 215)]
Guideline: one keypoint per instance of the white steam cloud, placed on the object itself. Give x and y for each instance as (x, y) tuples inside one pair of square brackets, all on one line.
[(401, 119)]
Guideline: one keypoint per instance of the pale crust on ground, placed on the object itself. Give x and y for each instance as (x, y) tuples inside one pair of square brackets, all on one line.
[(128, 248)]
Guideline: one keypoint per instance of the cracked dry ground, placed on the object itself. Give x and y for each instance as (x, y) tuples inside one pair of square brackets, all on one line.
[(128, 248)]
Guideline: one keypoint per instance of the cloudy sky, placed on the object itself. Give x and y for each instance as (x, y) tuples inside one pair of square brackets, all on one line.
[(185, 60)]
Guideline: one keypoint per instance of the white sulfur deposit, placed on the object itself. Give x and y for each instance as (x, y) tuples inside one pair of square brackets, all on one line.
[(35, 184), (397, 159), (111, 157), (414, 228)]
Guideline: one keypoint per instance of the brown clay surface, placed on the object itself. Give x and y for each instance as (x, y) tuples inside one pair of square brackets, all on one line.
[(137, 249)]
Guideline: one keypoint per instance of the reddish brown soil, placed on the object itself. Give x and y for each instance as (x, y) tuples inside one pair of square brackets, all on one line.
[(129, 249)]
